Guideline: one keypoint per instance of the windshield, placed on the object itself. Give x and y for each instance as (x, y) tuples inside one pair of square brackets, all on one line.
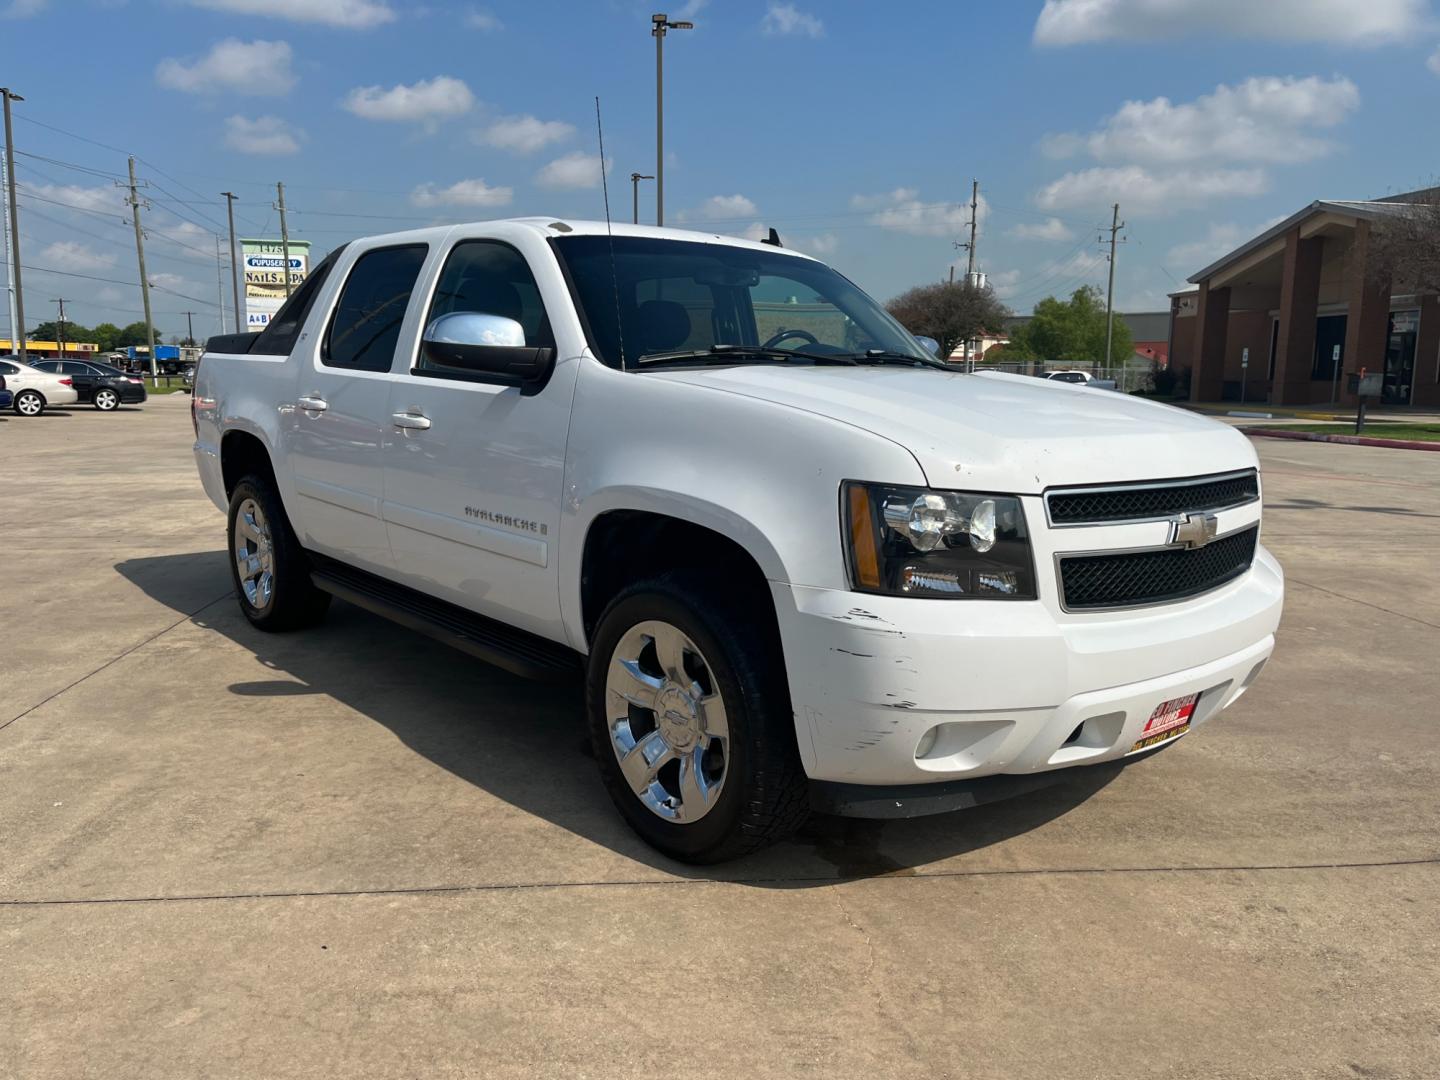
[(676, 296)]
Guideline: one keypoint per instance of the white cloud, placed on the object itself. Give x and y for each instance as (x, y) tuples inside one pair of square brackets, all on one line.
[(240, 67), (1220, 238), (484, 21), (185, 231), (688, 10), (1003, 283), (903, 211), (75, 197), (784, 19), (1365, 22), (462, 193), (74, 256), (575, 170), (1052, 229), (352, 14), (1434, 62), (427, 101), (727, 208), (1140, 191), (523, 134), (23, 9), (168, 282), (268, 135), (823, 245), (1263, 119)]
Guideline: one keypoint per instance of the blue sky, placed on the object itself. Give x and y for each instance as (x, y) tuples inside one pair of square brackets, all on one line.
[(852, 127)]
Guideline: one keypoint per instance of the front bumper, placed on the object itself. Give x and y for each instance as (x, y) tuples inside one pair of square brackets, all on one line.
[(1013, 688)]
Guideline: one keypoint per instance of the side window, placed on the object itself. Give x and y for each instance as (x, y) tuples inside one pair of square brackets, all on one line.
[(365, 328), (7, 369), (491, 278), (283, 330)]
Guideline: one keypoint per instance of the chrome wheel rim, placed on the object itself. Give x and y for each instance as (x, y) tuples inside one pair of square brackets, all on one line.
[(106, 399), (666, 721), (29, 405), (254, 555)]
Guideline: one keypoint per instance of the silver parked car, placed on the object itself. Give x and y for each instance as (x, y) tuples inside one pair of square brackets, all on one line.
[(36, 390)]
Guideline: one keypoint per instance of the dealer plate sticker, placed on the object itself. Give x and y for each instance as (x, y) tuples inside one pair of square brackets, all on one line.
[(1169, 720)]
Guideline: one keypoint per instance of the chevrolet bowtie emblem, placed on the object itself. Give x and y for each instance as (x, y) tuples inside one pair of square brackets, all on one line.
[(1193, 530)]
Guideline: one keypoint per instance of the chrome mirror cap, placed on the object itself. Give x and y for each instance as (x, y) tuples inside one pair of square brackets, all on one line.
[(929, 343), (475, 328)]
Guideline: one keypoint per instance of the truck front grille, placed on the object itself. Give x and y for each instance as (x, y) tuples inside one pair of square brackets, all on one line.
[(1136, 578), (1147, 501)]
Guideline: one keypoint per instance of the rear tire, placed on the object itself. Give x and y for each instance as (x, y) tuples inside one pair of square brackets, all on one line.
[(29, 403), (267, 563), (690, 718), (106, 399)]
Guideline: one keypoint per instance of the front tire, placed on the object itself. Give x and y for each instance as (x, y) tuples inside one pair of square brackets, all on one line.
[(106, 399), (690, 718), (267, 563), (29, 403)]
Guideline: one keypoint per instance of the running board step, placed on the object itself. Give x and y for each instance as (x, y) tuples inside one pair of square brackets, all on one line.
[(504, 646)]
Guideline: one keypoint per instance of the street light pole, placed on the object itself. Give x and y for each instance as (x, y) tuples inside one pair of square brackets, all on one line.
[(230, 197), (17, 332), (659, 25), (635, 179)]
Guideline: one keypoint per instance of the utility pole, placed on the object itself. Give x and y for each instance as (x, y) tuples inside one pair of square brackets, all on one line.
[(5, 232), (635, 179), (285, 234), (230, 197), (189, 327), (17, 330), (60, 325), (135, 203), (1115, 226), (969, 246), (220, 285), (659, 24)]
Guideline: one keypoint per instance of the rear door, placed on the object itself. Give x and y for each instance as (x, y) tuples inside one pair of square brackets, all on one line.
[(83, 377), (340, 416), (474, 471)]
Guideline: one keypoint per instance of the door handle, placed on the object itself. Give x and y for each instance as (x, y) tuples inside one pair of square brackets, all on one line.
[(312, 403), (412, 421)]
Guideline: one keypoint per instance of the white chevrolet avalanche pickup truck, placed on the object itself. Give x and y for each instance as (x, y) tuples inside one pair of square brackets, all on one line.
[(798, 562)]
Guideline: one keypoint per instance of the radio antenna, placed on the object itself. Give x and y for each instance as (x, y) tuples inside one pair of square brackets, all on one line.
[(610, 234)]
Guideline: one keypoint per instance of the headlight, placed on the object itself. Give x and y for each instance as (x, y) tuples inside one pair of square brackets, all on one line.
[(949, 545)]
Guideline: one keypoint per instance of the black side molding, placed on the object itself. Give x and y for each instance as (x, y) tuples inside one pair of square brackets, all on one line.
[(504, 646)]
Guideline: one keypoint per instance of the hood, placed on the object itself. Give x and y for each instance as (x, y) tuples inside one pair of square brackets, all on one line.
[(997, 432)]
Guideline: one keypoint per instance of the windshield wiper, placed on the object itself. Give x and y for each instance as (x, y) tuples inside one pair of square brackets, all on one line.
[(890, 356), (729, 354)]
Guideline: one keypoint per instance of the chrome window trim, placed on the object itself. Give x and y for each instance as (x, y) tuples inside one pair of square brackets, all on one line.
[(1060, 580), (1147, 485)]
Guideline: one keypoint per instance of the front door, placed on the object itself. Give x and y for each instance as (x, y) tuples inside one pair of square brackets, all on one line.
[(474, 470), (340, 417), (1400, 357)]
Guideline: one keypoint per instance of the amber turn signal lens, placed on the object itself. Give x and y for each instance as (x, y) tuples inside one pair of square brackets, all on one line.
[(862, 539)]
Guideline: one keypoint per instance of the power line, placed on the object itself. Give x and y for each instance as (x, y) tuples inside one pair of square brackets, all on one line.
[(115, 281)]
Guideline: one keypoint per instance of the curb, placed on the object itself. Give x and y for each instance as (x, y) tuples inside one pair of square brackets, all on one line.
[(1353, 440)]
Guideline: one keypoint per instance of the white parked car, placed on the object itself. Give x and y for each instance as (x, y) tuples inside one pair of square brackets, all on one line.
[(798, 561), (35, 390)]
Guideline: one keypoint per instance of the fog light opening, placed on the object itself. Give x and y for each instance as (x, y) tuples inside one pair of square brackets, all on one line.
[(1074, 735), (927, 742)]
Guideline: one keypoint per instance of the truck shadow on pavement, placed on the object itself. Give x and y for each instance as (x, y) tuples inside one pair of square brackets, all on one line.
[(525, 742)]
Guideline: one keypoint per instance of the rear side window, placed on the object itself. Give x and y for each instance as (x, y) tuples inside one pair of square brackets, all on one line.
[(8, 369), (283, 330), (365, 328)]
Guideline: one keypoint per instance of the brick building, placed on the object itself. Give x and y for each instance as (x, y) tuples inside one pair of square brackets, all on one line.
[(1301, 302)]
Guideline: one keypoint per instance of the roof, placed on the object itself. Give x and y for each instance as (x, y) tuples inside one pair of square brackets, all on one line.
[(1371, 209), (550, 227)]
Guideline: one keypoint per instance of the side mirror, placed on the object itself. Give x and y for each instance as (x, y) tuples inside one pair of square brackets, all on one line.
[(490, 348), (929, 343)]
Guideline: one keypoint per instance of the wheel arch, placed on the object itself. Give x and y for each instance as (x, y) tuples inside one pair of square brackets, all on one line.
[(243, 452), (624, 543)]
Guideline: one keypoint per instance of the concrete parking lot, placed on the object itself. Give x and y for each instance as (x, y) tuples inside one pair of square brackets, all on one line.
[(353, 853)]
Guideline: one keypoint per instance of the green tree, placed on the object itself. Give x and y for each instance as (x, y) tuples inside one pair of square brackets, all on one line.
[(134, 334), (106, 336), (73, 332), (950, 312), (1066, 331)]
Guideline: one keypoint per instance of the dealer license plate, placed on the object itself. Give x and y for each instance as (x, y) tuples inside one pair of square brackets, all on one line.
[(1169, 720)]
